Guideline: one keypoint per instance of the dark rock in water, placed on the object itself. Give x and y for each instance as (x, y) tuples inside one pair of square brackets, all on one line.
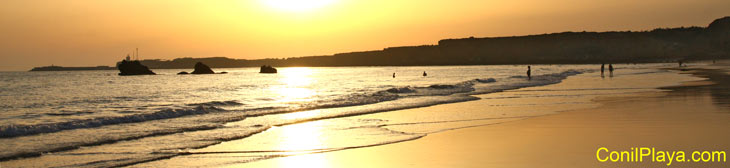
[(182, 73), (201, 68), (267, 69), (224, 72), (133, 68)]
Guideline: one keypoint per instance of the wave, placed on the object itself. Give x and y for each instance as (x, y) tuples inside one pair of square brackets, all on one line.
[(393, 93), (523, 81), (69, 113), (355, 99), (647, 72), (8, 131), (218, 103), (489, 80), (401, 90), (465, 88), (215, 116)]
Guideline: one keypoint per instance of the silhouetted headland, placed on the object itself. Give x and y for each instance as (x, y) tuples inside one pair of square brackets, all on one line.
[(60, 68), (267, 69), (658, 45)]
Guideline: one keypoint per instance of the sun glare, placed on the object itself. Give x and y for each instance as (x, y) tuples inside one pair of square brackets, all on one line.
[(296, 82), (297, 5)]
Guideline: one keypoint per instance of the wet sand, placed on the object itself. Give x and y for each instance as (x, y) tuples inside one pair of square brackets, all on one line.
[(690, 117)]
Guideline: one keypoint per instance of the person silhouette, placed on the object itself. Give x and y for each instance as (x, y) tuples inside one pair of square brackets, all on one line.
[(424, 73), (602, 65), (610, 69), (393, 74), (528, 73)]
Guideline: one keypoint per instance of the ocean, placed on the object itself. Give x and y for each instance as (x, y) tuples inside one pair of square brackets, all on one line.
[(100, 119)]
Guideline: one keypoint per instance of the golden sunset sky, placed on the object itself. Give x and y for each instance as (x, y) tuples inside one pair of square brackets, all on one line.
[(101, 32)]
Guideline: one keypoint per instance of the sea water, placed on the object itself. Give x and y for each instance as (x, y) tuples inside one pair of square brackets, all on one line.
[(126, 120)]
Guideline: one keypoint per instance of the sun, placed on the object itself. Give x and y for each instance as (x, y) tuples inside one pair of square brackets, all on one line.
[(297, 5)]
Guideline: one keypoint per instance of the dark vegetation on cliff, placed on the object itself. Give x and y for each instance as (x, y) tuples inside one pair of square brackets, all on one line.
[(658, 45)]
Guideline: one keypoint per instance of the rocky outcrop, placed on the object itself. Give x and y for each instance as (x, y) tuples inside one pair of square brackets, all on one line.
[(267, 69), (133, 68), (201, 68), (182, 73)]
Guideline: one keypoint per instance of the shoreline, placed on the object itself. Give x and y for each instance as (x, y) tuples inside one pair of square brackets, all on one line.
[(434, 147), (69, 154), (399, 120)]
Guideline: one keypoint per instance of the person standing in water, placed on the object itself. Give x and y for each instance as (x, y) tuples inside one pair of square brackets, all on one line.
[(602, 65), (393, 74), (424, 74), (528, 72), (610, 69)]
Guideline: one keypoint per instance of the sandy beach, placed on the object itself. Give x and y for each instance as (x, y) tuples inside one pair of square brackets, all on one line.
[(689, 117)]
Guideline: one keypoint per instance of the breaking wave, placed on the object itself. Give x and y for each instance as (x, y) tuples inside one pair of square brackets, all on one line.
[(468, 87)]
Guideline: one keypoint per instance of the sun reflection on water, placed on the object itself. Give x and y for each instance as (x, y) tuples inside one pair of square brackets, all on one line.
[(296, 84), (301, 115), (299, 76), (290, 94), (299, 139), (319, 161)]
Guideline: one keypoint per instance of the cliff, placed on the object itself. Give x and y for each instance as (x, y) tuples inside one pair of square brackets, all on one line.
[(658, 45)]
